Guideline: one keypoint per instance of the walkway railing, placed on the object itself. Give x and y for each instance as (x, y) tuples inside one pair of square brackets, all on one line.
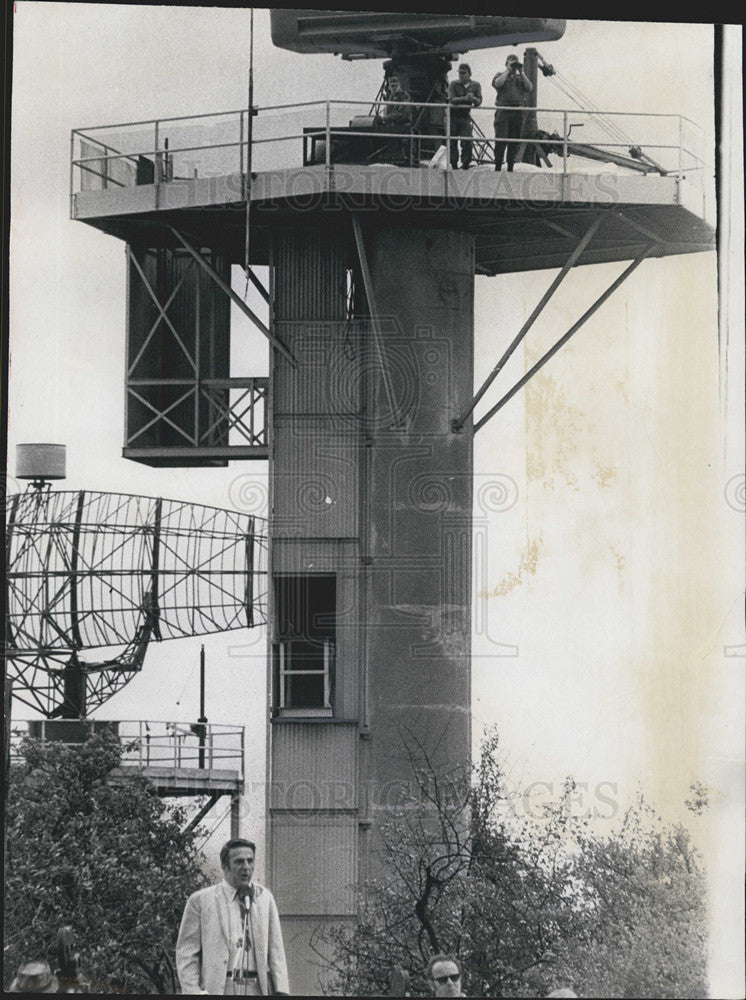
[(148, 744), (172, 150)]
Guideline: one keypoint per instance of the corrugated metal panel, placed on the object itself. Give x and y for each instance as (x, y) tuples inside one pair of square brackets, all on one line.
[(315, 484), (329, 373), (313, 766), (317, 859), (310, 275)]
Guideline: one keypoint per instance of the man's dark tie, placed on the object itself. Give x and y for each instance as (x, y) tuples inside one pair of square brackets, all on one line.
[(243, 906)]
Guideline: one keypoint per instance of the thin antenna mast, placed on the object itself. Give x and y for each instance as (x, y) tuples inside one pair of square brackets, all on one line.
[(250, 134)]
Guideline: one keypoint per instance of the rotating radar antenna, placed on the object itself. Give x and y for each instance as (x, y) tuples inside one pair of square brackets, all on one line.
[(110, 572)]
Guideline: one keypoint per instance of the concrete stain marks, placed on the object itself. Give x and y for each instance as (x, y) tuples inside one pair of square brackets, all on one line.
[(604, 475), (553, 429), (515, 578), (620, 562)]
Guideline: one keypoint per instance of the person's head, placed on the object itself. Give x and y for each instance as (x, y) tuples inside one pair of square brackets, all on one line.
[(513, 62), (394, 83), (34, 977), (237, 860), (444, 973), (464, 72)]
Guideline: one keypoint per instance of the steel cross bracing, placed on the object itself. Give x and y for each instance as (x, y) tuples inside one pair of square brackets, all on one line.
[(197, 412), (233, 296), (89, 570), (458, 422)]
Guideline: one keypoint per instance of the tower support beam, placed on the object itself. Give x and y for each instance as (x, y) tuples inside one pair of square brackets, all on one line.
[(374, 317), (196, 820), (563, 340), (236, 299), (571, 260)]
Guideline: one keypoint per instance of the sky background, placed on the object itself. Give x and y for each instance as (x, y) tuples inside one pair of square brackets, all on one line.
[(610, 570)]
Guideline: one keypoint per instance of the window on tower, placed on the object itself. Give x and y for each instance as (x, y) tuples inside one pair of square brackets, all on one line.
[(304, 644)]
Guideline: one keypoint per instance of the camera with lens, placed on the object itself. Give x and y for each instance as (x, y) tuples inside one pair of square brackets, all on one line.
[(516, 67)]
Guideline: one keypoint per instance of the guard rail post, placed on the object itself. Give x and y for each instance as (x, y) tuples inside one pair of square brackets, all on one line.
[(72, 168), (328, 139), (157, 167), (564, 154), (448, 137), (240, 153)]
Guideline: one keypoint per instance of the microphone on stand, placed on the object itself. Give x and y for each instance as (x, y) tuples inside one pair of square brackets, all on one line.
[(241, 955)]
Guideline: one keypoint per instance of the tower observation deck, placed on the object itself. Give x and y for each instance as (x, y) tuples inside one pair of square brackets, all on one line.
[(366, 416)]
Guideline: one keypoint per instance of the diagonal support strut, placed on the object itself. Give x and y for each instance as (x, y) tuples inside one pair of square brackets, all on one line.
[(563, 340), (196, 820), (234, 297), (259, 286), (459, 422), (373, 310)]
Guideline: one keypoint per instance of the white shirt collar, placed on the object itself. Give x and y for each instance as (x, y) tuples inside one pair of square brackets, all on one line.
[(230, 892)]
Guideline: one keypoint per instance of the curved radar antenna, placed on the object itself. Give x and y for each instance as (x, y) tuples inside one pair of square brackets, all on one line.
[(109, 571), (374, 35)]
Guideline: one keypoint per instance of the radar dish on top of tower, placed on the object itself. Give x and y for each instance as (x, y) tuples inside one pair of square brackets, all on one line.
[(376, 35)]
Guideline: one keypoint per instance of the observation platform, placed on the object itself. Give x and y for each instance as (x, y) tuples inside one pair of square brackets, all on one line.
[(191, 184), (310, 164), (521, 220)]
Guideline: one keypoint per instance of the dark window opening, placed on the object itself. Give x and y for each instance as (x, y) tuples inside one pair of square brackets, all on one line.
[(304, 646)]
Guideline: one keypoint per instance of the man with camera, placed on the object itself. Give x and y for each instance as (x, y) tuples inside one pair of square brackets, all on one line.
[(511, 86)]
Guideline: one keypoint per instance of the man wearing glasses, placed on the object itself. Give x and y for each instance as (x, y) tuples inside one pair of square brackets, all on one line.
[(445, 974), (463, 95)]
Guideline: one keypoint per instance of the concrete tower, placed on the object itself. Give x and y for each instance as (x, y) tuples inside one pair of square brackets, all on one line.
[(365, 422)]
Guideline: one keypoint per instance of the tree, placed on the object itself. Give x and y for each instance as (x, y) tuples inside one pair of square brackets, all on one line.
[(527, 903), (645, 904), (93, 847)]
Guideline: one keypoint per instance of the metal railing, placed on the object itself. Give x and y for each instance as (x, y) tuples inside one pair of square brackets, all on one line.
[(225, 411), (148, 744), (190, 147)]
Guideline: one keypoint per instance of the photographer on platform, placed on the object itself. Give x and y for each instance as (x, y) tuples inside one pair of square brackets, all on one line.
[(512, 86)]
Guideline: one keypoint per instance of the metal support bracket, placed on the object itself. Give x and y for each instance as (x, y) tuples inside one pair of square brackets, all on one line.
[(234, 297), (458, 423), (374, 319), (259, 286), (196, 820), (648, 233), (563, 340)]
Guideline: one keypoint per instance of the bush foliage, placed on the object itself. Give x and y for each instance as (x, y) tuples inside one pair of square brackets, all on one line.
[(90, 847), (527, 904)]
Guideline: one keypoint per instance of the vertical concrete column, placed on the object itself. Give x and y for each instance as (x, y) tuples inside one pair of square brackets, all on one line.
[(419, 511), (314, 462)]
